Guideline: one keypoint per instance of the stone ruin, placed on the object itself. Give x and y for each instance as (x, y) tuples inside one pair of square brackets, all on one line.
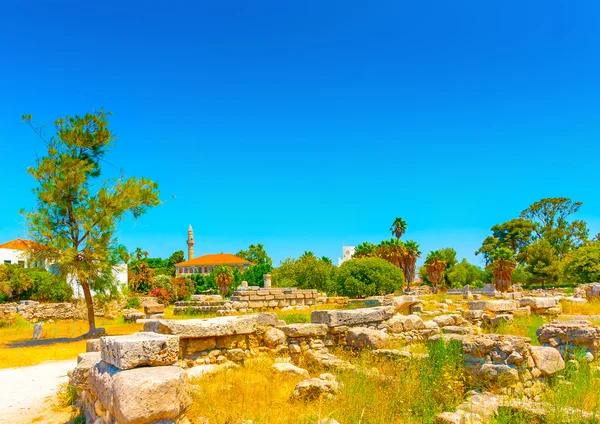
[(251, 298), (145, 377), (589, 292), (570, 336)]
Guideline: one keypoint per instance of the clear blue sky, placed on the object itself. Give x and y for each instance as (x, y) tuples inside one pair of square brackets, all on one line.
[(308, 125)]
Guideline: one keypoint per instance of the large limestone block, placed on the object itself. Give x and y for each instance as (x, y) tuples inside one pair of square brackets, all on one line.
[(85, 361), (127, 352), (290, 370), (141, 395), (493, 305), (335, 318), (547, 359), (539, 302), (274, 337), (360, 337), (400, 323), (305, 330), (154, 309), (200, 328), (403, 303)]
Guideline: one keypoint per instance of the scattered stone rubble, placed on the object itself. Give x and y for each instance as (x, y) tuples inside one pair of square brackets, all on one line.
[(170, 352), (567, 336), (587, 291)]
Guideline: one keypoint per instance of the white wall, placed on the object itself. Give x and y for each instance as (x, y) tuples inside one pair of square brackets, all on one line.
[(13, 255), (347, 253), (119, 274)]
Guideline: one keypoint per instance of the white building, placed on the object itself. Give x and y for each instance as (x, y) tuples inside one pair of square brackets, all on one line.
[(347, 253), (14, 252)]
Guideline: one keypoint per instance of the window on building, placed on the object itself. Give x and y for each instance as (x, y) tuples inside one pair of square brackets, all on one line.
[(22, 263), (6, 262)]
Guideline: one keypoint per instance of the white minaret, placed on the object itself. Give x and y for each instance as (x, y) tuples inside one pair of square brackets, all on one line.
[(190, 243)]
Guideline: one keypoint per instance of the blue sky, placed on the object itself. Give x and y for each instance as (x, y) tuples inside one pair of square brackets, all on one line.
[(311, 125)]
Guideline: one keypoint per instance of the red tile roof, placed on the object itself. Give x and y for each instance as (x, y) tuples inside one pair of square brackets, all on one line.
[(218, 259), (19, 244)]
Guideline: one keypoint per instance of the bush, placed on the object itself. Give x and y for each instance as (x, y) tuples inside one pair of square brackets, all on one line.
[(133, 302), (162, 295), (368, 277), (307, 272), (50, 288), (178, 288), (18, 283)]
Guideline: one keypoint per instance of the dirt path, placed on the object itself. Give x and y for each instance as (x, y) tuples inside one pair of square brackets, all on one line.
[(24, 392)]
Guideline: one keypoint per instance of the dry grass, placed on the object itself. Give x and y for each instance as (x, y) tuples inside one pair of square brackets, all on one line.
[(589, 308), (376, 392), (60, 340)]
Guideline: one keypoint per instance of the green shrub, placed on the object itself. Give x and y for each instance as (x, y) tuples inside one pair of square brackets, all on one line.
[(50, 288), (133, 302), (368, 277)]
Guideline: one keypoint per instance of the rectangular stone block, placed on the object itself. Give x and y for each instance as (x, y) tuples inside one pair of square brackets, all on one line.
[(336, 318), (305, 330), (256, 304), (154, 309), (200, 328), (539, 302), (269, 297), (141, 395), (493, 305), (139, 349), (256, 298), (279, 297)]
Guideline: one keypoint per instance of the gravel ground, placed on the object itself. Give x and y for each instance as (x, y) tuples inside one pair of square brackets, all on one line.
[(23, 391)]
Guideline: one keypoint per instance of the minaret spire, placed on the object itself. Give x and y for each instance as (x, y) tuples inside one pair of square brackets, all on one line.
[(190, 243)]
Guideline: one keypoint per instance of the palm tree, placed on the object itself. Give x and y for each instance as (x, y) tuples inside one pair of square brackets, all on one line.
[(435, 266), (391, 250), (502, 266), (223, 277), (365, 250), (410, 254), (398, 227)]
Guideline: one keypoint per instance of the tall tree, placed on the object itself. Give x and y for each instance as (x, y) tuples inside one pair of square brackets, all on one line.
[(76, 215), (515, 235), (176, 257), (435, 266), (551, 219), (398, 227), (502, 266), (410, 254), (583, 265), (256, 254), (542, 262), (224, 277)]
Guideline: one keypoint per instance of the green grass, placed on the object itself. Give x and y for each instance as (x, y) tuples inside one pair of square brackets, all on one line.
[(520, 326)]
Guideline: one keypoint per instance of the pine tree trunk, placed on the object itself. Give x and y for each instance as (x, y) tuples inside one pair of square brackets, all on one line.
[(89, 303)]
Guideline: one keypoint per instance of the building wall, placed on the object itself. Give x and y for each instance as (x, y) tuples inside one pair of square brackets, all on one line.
[(205, 270), (119, 275), (347, 253), (13, 256)]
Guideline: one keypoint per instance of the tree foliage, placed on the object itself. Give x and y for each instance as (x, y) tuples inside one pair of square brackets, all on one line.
[(398, 227), (18, 283), (76, 215), (583, 265), (368, 277), (502, 266), (306, 272), (435, 264), (551, 219), (543, 264), (256, 254)]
